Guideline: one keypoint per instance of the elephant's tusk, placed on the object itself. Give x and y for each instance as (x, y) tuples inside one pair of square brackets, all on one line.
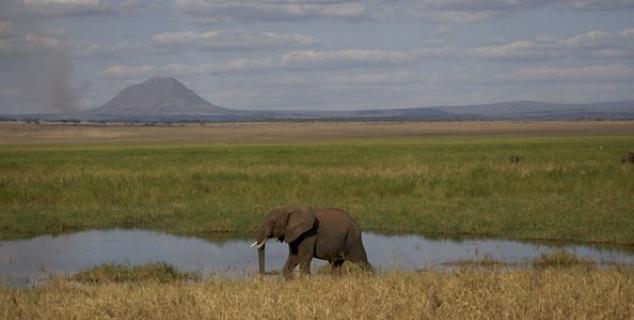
[(259, 245)]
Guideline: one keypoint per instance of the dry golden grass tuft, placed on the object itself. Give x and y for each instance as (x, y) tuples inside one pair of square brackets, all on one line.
[(545, 293)]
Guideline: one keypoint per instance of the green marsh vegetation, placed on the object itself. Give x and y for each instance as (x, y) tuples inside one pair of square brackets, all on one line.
[(151, 272), (564, 188)]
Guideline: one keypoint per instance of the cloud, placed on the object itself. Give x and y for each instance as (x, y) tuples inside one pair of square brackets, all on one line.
[(294, 60), (123, 71), (593, 73), (231, 40), (588, 45), (172, 42), (534, 75), (434, 11), (354, 79), (458, 17), (466, 11), (598, 4), (470, 11), (349, 57), (31, 44), (612, 73), (88, 7), (213, 11), (125, 48), (518, 50)]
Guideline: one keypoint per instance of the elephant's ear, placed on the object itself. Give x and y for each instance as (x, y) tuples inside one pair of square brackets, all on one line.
[(299, 221)]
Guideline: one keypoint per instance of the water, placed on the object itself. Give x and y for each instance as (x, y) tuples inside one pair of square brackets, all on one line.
[(25, 262)]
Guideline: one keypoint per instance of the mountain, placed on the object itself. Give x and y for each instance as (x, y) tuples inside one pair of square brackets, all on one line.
[(534, 110), (158, 97), (166, 99)]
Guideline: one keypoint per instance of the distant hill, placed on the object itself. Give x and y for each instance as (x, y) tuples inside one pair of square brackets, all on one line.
[(158, 97), (527, 110), (163, 99)]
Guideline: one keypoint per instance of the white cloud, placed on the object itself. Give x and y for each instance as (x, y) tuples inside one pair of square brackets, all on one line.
[(82, 7), (123, 71), (540, 75), (347, 57), (457, 17), (612, 73), (589, 45), (28, 44), (171, 42), (518, 50), (353, 79), (294, 60), (470, 11), (592, 44), (593, 73), (600, 40), (231, 40), (434, 11), (271, 10), (123, 48), (598, 4)]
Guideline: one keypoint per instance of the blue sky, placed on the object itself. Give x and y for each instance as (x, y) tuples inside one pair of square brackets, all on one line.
[(65, 55)]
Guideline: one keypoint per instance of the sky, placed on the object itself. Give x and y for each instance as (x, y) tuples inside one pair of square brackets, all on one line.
[(72, 55)]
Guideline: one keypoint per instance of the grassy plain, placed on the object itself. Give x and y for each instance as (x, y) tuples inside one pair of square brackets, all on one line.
[(445, 179), (576, 292)]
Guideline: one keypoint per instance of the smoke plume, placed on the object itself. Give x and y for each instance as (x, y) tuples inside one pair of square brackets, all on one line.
[(37, 65)]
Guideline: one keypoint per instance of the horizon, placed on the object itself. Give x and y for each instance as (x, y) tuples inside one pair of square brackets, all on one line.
[(290, 109), (68, 56)]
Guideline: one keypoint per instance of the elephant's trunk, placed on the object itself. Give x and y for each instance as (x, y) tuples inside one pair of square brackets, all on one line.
[(260, 240), (261, 258)]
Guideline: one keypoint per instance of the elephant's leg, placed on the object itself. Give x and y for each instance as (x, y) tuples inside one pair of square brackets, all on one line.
[(358, 256), (292, 262), (304, 267), (335, 267), (306, 252)]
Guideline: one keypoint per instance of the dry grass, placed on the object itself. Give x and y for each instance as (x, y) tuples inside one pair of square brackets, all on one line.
[(301, 131), (560, 259), (548, 293)]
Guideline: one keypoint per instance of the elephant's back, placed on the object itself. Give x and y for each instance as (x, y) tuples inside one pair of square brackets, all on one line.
[(334, 216)]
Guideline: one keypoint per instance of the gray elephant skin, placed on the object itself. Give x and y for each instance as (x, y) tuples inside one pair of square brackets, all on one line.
[(326, 234)]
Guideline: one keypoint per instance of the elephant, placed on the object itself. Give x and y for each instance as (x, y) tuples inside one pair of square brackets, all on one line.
[(327, 234), (627, 157)]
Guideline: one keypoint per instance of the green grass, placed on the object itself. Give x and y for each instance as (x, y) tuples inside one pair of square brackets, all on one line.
[(564, 188), (115, 273)]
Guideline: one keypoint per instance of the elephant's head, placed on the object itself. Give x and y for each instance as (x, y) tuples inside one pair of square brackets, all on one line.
[(285, 224)]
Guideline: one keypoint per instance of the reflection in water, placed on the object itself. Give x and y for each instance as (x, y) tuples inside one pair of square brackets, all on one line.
[(24, 261)]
